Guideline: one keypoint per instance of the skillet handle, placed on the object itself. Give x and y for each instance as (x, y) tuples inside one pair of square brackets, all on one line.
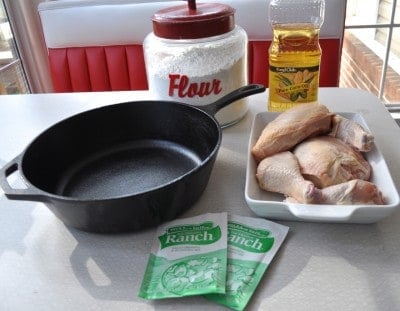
[(229, 98), (30, 193)]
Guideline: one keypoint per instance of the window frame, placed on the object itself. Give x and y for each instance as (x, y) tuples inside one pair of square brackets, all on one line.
[(387, 47)]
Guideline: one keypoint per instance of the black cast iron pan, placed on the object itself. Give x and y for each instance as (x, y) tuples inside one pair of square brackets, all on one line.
[(122, 167)]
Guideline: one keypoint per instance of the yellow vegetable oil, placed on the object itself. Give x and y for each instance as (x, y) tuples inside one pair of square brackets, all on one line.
[(294, 54)]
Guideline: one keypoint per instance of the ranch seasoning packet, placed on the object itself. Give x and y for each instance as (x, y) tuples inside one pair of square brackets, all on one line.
[(188, 257), (252, 244)]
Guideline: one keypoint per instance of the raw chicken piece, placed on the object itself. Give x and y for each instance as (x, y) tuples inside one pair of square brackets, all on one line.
[(281, 173), (351, 133), (355, 191), (290, 128), (327, 161)]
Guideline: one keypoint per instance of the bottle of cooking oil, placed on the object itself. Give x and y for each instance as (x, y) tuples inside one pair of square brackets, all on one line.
[(295, 53)]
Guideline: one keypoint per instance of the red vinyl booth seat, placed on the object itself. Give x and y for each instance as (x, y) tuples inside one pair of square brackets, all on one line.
[(102, 68), (84, 58), (117, 68)]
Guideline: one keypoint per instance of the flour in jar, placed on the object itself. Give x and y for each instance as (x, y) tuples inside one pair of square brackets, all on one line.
[(199, 72)]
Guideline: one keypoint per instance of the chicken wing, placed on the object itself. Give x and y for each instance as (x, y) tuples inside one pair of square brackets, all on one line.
[(355, 191), (351, 133)]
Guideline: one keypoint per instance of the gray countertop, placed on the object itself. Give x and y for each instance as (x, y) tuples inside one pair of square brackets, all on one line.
[(45, 265)]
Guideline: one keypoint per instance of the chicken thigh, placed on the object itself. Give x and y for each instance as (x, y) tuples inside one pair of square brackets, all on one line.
[(291, 127), (327, 161)]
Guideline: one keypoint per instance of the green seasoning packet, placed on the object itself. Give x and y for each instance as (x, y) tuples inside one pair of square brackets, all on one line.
[(252, 244), (188, 257)]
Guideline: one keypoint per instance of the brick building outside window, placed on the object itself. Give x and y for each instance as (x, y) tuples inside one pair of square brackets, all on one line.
[(371, 49)]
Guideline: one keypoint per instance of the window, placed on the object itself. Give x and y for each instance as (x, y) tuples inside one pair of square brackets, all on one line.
[(12, 76), (371, 49)]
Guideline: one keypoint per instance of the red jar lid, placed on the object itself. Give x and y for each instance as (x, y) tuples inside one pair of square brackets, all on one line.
[(182, 22)]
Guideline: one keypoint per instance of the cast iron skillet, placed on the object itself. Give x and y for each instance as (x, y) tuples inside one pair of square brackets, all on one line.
[(122, 167)]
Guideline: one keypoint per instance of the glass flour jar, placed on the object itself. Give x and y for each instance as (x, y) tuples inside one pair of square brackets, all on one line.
[(196, 55)]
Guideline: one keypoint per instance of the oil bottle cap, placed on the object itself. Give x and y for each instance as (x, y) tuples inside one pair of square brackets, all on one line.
[(193, 21)]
